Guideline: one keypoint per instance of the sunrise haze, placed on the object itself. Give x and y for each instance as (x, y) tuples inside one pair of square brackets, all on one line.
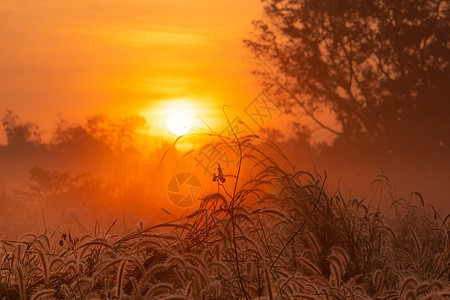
[(72, 59)]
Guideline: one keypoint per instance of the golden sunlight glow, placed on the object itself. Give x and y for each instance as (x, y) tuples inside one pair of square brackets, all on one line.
[(179, 124), (170, 118)]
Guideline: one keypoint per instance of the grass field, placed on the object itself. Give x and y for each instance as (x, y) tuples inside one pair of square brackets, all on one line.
[(278, 236)]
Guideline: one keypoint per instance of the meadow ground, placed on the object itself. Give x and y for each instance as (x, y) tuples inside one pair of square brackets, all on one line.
[(278, 236)]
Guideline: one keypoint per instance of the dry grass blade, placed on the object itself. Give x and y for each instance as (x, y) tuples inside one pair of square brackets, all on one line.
[(302, 225)]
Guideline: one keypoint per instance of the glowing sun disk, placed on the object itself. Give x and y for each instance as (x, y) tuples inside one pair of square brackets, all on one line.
[(179, 124)]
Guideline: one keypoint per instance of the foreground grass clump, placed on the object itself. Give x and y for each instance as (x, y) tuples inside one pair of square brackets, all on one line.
[(280, 236)]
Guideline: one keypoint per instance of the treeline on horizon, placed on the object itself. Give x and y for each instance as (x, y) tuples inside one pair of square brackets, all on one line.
[(121, 149), (83, 174)]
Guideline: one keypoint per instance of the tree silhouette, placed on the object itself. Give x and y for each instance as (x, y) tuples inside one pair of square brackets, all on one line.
[(20, 133), (380, 66)]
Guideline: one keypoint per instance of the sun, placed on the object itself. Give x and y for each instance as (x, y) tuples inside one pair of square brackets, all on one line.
[(179, 123)]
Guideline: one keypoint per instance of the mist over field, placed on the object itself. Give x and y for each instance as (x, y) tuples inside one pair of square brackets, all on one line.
[(92, 192), (93, 173)]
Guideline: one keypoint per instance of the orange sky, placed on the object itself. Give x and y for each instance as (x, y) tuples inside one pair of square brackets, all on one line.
[(80, 57)]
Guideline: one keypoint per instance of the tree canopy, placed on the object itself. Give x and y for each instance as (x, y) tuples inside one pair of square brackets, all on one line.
[(380, 66), (20, 133)]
